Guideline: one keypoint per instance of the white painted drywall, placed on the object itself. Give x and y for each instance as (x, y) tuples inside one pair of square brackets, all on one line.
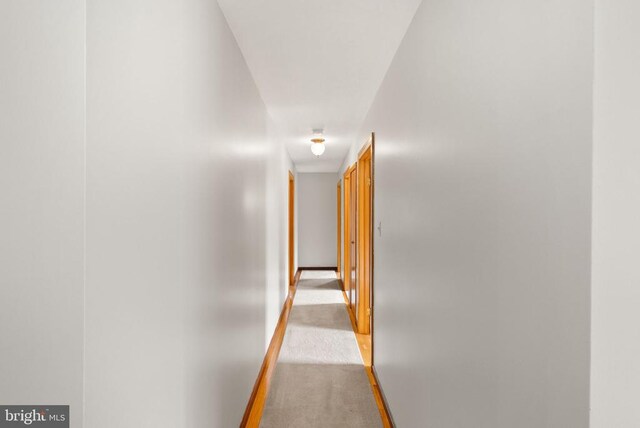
[(317, 213), (615, 350), (42, 202), (135, 301), (277, 194), (483, 184), (178, 163), (174, 193)]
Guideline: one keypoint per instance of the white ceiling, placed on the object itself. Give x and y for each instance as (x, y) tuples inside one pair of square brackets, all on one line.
[(318, 64)]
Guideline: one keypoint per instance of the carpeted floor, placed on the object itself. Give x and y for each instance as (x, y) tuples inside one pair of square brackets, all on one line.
[(319, 380)]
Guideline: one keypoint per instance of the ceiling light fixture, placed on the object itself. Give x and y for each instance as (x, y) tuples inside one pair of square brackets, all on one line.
[(317, 148)]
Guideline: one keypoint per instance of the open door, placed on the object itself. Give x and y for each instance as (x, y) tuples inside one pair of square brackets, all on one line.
[(291, 221)]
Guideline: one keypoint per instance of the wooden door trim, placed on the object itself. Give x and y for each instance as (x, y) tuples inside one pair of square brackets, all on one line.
[(291, 226), (365, 237), (352, 221), (371, 143), (346, 253), (339, 223)]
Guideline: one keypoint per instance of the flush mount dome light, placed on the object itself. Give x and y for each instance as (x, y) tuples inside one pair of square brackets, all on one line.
[(317, 148)]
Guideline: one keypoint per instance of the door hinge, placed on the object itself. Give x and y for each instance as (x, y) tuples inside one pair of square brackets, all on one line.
[(369, 182), (369, 311)]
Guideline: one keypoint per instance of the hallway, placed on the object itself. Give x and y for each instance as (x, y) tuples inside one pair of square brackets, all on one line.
[(299, 213), (319, 380)]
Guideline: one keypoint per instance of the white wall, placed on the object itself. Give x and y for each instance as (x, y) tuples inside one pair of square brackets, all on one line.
[(42, 202), (317, 212), (483, 182), (277, 194), (179, 275), (139, 274), (615, 350), (134, 297)]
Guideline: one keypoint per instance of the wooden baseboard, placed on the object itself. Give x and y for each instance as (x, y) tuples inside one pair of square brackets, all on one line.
[(387, 418), (255, 406), (333, 268)]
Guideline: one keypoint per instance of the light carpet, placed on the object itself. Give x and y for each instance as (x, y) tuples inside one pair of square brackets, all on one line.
[(319, 379)]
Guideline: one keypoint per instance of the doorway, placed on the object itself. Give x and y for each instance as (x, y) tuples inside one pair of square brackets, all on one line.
[(338, 223), (291, 221), (350, 239), (346, 234), (358, 189), (364, 238)]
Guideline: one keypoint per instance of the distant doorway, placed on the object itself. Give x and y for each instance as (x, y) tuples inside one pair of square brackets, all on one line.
[(350, 228), (346, 236), (291, 221), (338, 222)]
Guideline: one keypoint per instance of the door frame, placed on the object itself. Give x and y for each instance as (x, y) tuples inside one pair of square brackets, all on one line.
[(339, 223), (365, 178), (346, 235), (291, 227)]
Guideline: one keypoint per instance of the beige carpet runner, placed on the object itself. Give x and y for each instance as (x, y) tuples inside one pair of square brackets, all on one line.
[(319, 379)]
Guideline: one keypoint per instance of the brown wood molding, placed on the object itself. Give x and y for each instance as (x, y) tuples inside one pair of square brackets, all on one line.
[(332, 268), (291, 226), (387, 418), (364, 238), (255, 406), (338, 224)]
